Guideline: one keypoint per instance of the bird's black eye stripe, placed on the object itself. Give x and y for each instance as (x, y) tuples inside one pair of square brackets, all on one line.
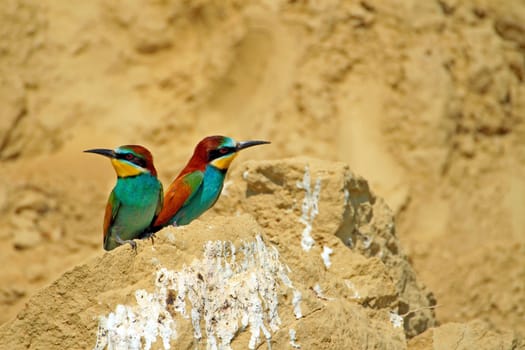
[(220, 152), (133, 159), (140, 162)]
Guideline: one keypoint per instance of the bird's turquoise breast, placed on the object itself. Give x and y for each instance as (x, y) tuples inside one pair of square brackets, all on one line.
[(205, 198), (138, 197)]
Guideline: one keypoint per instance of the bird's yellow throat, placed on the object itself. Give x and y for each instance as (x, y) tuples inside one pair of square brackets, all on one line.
[(125, 169), (224, 162)]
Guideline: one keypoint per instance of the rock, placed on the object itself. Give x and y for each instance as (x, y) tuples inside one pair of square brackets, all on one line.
[(462, 336), (10, 295), (294, 198), (36, 273), (23, 220), (228, 259), (50, 228), (35, 200), (26, 239)]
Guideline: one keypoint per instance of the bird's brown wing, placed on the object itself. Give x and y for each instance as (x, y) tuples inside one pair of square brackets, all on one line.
[(111, 213), (178, 194)]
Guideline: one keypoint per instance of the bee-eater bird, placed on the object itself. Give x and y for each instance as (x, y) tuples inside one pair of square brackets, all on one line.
[(135, 200), (199, 184)]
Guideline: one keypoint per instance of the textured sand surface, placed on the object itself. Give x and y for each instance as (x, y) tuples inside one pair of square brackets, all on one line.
[(424, 99)]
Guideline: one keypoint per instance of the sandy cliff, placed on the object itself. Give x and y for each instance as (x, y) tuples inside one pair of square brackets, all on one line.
[(424, 99)]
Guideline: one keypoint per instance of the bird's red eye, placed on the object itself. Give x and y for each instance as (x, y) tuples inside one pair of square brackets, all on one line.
[(223, 151), (129, 156)]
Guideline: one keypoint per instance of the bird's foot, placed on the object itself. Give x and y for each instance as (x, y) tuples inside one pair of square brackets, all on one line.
[(131, 242), (152, 236), (149, 233)]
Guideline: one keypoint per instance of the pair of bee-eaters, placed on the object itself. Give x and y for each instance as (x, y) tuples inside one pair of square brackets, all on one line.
[(137, 208)]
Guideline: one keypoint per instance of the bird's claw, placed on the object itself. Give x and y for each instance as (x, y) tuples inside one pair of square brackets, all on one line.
[(152, 236), (149, 234), (131, 242)]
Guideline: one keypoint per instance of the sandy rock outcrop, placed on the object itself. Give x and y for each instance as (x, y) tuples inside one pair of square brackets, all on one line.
[(335, 209), (320, 268), (193, 263)]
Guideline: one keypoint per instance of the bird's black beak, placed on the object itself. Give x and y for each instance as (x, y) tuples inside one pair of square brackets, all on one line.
[(102, 151), (246, 144)]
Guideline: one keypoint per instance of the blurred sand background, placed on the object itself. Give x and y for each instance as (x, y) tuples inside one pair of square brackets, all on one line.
[(424, 99)]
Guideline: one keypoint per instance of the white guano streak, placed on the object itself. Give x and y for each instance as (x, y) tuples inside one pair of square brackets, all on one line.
[(227, 290), (310, 208)]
